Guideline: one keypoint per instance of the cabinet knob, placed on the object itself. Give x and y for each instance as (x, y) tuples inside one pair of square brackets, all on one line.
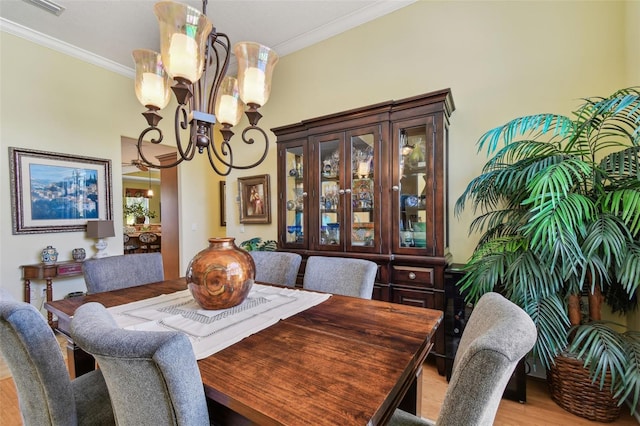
[(348, 191), (304, 194), (412, 276), (395, 188), (341, 191)]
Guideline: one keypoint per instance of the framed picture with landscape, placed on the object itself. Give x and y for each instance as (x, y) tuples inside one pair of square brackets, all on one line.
[(53, 192), (254, 199)]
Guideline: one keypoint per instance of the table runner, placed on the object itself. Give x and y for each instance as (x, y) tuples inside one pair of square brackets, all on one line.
[(211, 331)]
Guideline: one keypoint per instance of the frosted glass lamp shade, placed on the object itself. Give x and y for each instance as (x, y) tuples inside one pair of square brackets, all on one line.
[(228, 103), (255, 68), (152, 81), (183, 38)]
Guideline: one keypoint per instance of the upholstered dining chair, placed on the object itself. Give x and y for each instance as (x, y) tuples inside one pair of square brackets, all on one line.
[(498, 334), (46, 394), (149, 242), (340, 275), (152, 377), (276, 267), (115, 272), (129, 245)]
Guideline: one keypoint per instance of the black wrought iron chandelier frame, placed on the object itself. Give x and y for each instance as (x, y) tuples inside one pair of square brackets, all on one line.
[(194, 114)]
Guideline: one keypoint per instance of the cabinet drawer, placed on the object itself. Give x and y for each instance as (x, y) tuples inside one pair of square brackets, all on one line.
[(70, 269), (421, 299), (411, 275)]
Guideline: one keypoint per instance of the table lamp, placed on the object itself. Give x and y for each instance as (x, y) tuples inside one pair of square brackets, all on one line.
[(100, 229)]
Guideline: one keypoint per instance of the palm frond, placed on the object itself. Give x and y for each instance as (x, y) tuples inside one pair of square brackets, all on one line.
[(550, 317), (625, 204), (628, 275), (556, 125), (603, 351)]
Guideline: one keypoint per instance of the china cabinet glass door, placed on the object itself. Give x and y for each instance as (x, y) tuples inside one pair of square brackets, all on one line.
[(329, 165), (412, 200), (348, 190), (362, 198), (295, 196)]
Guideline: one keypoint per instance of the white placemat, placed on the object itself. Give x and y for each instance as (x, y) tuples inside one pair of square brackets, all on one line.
[(212, 331)]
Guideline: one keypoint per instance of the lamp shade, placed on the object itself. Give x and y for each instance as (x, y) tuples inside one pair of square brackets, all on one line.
[(255, 68), (100, 229), (228, 105), (152, 81), (183, 37)]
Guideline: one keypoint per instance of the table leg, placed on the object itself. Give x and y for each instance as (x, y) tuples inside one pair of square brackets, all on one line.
[(27, 290), (78, 361), (49, 299), (412, 401)]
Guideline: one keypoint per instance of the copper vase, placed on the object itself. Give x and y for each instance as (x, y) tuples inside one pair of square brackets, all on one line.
[(221, 275)]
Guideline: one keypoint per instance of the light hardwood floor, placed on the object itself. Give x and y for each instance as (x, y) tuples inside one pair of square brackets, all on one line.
[(539, 409)]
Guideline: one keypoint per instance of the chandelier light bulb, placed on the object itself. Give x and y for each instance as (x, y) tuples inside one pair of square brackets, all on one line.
[(183, 57), (228, 104)]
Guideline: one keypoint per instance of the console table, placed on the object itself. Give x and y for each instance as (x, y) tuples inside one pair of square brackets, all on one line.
[(47, 272)]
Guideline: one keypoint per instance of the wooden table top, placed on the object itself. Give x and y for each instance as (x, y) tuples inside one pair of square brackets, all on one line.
[(346, 361)]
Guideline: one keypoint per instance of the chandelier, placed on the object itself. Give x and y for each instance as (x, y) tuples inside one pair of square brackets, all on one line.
[(195, 56)]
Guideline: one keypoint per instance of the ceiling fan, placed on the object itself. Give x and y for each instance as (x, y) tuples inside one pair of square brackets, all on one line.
[(133, 166)]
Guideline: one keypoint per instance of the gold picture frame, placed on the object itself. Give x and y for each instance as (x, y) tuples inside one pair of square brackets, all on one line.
[(254, 199)]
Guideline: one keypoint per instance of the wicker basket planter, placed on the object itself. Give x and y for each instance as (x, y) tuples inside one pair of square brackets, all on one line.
[(571, 389)]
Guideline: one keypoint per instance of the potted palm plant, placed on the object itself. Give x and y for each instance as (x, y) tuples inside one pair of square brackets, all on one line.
[(558, 205)]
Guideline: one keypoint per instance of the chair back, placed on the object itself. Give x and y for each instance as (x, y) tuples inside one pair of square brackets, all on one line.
[(498, 334), (27, 343), (276, 267), (340, 275), (33, 355), (153, 377), (150, 242), (115, 272)]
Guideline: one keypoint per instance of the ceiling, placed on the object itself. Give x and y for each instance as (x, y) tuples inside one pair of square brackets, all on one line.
[(105, 32), (112, 29)]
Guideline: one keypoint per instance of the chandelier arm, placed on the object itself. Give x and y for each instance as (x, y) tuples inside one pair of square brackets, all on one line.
[(249, 141), (223, 40), (189, 152), (214, 166), (144, 159)]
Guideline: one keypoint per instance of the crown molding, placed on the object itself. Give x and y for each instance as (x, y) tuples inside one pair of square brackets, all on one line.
[(338, 26), (63, 47), (316, 35)]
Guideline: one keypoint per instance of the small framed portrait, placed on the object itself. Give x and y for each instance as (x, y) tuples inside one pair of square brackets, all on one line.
[(254, 199)]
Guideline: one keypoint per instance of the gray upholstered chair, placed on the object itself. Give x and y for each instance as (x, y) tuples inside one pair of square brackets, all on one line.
[(340, 275), (115, 272), (276, 267), (497, 336), (46, 394), (152, 376)]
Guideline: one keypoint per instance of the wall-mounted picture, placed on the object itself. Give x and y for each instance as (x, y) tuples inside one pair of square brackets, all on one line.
[(53, 192), (254, 199)]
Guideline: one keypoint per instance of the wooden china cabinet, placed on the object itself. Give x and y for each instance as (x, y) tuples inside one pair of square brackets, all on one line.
[(371, 183)]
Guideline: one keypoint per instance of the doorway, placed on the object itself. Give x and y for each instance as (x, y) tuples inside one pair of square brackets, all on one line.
[(157, 191)]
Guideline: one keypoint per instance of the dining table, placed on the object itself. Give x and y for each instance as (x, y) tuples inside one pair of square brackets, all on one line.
[(344, 361)]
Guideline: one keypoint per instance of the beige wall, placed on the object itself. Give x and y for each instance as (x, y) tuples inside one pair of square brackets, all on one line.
[(501, 60), (51, 102)]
